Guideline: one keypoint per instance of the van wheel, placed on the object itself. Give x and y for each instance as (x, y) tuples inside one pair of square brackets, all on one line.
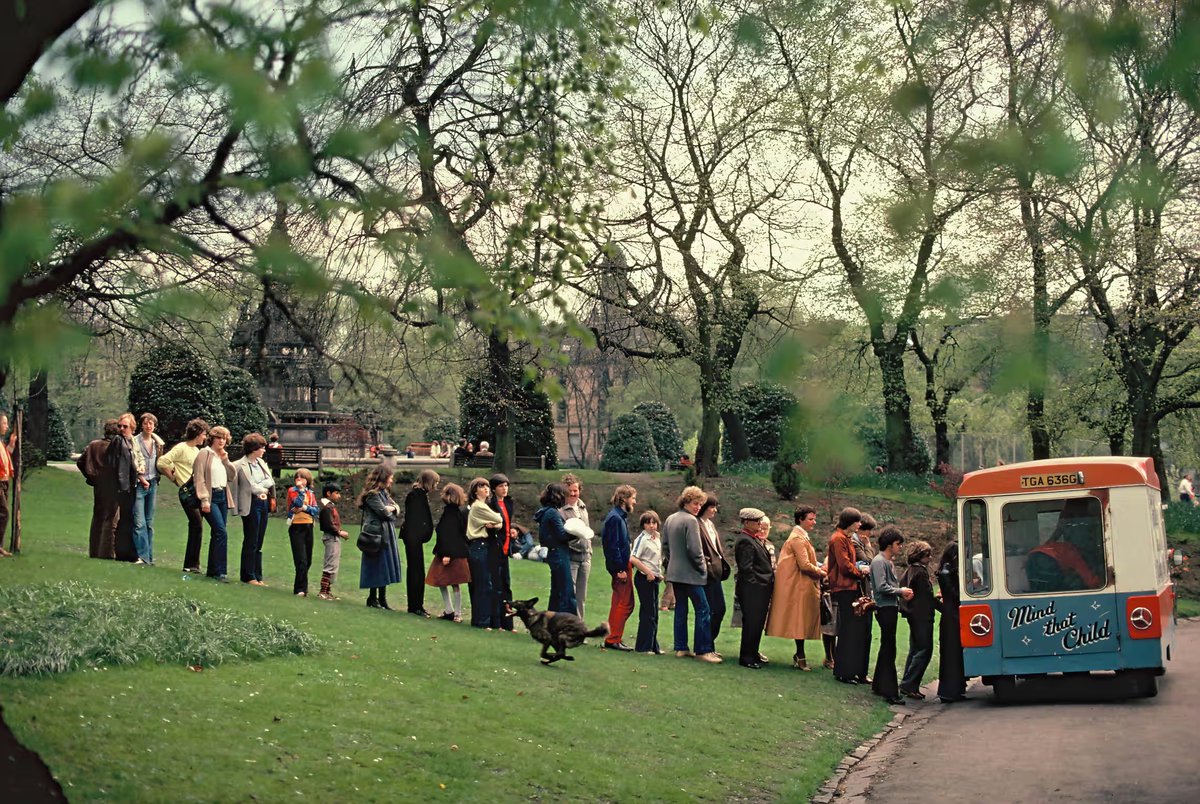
[(1004, 689), (1146, 685)]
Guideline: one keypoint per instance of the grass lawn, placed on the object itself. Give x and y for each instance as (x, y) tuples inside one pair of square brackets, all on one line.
[(393, 707)]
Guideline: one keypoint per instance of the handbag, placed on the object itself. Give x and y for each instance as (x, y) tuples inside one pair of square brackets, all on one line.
[(370, 543), (272, 502), (187, 493), (826, 610)]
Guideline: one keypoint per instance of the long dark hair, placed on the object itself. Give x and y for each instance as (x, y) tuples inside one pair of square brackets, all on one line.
[(380, 479), (554, 495), (949, 556)]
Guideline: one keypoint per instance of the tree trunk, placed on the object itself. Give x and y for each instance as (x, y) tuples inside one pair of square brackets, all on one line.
[(500, 372), (1145, 437), (37, 422), (1035, 408), (941, 439), (736, 431), (708, 444), (897, 408)]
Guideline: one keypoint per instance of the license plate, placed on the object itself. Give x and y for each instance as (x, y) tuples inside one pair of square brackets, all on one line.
[(1053, 481)]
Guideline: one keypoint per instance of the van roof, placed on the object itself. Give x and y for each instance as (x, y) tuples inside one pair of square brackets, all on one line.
[(1098, 472)]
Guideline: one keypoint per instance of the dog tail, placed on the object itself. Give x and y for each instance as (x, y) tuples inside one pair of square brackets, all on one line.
[(600, 630)]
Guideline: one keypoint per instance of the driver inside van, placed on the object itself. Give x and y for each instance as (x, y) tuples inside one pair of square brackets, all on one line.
[(1059, 564)]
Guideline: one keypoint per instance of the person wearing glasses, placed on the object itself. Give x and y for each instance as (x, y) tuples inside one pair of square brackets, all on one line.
[(119, 458)]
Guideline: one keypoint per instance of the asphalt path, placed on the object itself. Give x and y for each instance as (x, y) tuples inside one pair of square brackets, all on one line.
[(1141, 750)]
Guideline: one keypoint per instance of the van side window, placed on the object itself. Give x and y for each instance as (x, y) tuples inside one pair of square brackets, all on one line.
[(1054, 545), (978, 561)]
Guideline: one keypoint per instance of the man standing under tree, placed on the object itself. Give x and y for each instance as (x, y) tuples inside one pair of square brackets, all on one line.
[(6, 478), (617, 561)]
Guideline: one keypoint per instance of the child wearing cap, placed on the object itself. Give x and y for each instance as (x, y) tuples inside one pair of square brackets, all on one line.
[(331, 536)]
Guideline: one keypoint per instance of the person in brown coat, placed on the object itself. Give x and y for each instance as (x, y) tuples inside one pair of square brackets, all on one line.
[(796, 602), (845, 582), (93, 465)]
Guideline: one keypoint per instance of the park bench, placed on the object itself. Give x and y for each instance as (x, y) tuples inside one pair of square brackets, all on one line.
[(487, 462), (288, 457)]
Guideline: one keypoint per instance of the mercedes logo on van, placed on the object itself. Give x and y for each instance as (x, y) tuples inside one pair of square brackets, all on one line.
[(1141, 618), (980, 625)]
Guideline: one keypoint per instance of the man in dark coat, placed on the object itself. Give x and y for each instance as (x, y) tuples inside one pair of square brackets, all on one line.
[(119, 457), (416, 531), (93, 465)]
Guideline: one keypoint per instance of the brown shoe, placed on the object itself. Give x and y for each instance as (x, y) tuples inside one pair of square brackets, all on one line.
[(711, 658), (801, 664), (681, 654), (827, 664)]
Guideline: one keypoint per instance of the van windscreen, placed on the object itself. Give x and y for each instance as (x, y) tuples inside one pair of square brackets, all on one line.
[(1053, 545)]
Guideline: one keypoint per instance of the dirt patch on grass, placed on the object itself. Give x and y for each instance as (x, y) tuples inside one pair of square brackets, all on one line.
[(24, 777)]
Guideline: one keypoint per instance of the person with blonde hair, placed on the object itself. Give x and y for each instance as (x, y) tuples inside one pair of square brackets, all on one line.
[(215, 481), (450, 568), (303, 510), (416, 531), (617, 550), (147, 446), (687, 569), (121, 461), (581, 545)]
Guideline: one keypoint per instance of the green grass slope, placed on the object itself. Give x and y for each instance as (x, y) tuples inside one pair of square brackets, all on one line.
[(396, 708)]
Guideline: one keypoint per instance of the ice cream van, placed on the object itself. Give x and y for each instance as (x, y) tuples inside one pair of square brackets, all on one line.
[(1064, 571)]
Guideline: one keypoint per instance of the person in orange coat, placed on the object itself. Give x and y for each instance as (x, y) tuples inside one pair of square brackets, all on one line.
[(796, 602), (845, 582)]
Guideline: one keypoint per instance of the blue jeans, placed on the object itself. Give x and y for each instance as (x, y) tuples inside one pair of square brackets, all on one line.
[(143, 520), (702, 633), (254, 529), (481, 583), (714, 592), (218, 511), (562, 588)]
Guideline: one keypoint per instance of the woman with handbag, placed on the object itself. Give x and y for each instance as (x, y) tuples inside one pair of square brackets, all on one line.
[(718, 565), (796, 601), (177, 465), (377, 540), (215, 483), (256, 489), (845, 580)]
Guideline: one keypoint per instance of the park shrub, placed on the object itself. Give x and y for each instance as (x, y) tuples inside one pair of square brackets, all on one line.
[(58, 438), (442, 428), (56, 628), (786, 480), (765, 410), (667, 440), (630, 446), (175, 384), (482, 408), (242, 410)]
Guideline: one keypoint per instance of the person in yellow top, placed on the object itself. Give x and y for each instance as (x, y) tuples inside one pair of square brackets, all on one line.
[(481, 521), (177, 464)]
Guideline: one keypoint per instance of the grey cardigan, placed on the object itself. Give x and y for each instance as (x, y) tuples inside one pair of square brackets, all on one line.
[(885, 589), (681, 532)]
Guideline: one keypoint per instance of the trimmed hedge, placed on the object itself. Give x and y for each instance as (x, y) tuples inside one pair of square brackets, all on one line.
[(175, 384), (667, 440), (630, 446)]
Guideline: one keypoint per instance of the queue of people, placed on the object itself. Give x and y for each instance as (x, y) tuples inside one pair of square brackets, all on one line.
[(786, 593)]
